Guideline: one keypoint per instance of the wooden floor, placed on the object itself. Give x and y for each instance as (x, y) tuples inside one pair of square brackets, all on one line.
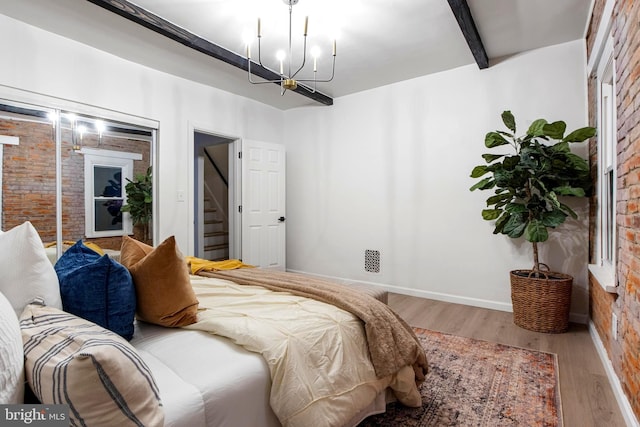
[(587, 397)]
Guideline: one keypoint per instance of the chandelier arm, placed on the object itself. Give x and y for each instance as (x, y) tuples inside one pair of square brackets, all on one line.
[(259, 52), (261, 82), (333, 72), (304, 58)]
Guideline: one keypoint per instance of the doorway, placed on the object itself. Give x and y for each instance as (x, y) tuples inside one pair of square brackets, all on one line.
[(214, 196)]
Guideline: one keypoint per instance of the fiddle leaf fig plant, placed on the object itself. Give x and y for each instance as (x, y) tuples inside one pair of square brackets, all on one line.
[(139, 200), (529, 180)]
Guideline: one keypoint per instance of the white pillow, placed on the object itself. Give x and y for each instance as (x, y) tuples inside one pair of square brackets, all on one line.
[(11, 356), (69, 360), (25, 270)]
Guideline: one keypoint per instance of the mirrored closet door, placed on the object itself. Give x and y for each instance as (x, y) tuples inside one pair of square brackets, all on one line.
[(75, 176)]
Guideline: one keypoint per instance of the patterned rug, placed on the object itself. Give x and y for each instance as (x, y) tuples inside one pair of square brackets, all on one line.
[(479, 383)]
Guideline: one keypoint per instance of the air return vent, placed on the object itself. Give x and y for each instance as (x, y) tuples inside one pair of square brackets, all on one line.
[(372, 261)]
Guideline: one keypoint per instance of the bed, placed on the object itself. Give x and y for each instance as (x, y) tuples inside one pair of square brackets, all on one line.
[(218, 371), (286, 350)]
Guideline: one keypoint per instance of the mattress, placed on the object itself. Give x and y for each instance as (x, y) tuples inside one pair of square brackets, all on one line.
[(206, 380)]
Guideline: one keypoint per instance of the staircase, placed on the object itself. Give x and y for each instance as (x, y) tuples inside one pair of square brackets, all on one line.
[(216, 233)]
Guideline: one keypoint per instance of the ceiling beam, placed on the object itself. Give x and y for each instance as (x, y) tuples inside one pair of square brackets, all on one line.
[(155, 23), (462, 13)]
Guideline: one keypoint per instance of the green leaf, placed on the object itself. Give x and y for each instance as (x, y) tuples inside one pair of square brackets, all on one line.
[(491, 214), (478, 171), (553, 218), (494, 139), (509, 121), (560, 147), (491, 157), (568, 210), (553, 199), (511, 162), (566, 190), (515, 226), (514, 208), (580, 135), (536, 231), (536, 128), (485, 184), (500, 223), (498, 198), (577, 162), (555, 130)]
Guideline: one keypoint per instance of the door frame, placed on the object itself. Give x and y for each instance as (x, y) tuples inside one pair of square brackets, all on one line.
[(235, 189)]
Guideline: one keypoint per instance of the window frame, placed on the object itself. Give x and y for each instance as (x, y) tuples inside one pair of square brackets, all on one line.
[(604, 267), (106, 158)]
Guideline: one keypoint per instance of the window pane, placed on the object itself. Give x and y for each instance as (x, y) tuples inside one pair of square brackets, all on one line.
[(107, 215), (610, 209), (107, 181)]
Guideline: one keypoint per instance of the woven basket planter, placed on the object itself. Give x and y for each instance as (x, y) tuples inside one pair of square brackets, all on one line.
[(541, 304)]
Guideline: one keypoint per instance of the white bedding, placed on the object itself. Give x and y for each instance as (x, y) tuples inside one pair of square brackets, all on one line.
[(317, 354), (205, 380)]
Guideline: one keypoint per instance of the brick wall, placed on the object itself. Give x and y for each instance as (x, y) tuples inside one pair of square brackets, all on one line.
[(28, 179), (625, 351)]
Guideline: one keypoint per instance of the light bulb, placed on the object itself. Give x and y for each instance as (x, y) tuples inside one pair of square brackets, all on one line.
[(100, 126)]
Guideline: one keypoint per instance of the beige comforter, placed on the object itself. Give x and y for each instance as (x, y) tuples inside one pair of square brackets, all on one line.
[(317, 354)]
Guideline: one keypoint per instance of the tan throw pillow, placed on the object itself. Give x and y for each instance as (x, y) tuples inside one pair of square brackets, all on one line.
[(72, 361), (161, 279)]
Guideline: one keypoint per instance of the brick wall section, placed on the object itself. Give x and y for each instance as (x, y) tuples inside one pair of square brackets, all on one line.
[(28, 179), (624, 352), (596, 17)]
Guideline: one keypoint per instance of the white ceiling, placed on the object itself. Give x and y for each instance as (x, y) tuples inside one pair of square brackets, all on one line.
[(378, 42)]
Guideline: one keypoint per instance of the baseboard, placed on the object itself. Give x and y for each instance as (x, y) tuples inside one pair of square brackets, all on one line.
[(621, 398), (439, 296)]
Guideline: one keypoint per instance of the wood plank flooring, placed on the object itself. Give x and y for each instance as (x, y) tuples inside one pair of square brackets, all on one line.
[(587, 397)]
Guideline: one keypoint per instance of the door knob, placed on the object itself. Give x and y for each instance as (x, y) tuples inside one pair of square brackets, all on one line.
[(281, 219)]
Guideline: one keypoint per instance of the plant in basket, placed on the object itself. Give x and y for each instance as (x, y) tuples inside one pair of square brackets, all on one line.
[(528, 176)]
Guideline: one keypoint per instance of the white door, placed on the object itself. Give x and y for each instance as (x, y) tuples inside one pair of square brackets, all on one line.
[(263, 204)]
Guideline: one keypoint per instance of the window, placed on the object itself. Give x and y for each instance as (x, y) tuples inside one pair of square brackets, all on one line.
[(605, 268), (106, 173)]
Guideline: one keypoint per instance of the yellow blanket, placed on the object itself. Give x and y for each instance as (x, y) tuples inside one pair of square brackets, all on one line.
[(90, 245), (197, 265)]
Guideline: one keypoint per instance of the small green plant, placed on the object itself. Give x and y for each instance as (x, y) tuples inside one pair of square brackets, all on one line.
[(528, 183), (139, 201)]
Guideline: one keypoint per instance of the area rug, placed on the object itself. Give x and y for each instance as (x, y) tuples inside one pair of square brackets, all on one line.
[(479, 383)]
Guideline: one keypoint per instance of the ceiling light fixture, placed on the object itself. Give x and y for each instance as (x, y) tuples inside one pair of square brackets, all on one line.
[(288, 80)]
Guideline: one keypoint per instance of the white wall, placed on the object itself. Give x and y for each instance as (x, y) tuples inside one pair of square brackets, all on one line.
[(388, 169), (44, 63), (385, 169)]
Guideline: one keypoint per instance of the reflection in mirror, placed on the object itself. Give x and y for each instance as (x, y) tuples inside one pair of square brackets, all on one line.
[(98, 158), (28, 168)]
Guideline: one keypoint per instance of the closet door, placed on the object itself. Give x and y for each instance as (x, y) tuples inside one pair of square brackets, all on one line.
[(28, 169)]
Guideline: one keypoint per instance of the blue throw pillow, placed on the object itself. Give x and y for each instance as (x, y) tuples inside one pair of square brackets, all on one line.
[(97, 288)]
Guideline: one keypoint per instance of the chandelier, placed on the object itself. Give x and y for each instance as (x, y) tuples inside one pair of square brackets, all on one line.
[(288, 80)]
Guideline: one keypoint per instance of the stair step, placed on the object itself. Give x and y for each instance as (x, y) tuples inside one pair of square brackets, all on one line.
[(213, 221), (210, 210), (216, 247), (216, 234)]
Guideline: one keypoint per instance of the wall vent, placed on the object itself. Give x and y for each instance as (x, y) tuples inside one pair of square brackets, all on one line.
[(372, 261)]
